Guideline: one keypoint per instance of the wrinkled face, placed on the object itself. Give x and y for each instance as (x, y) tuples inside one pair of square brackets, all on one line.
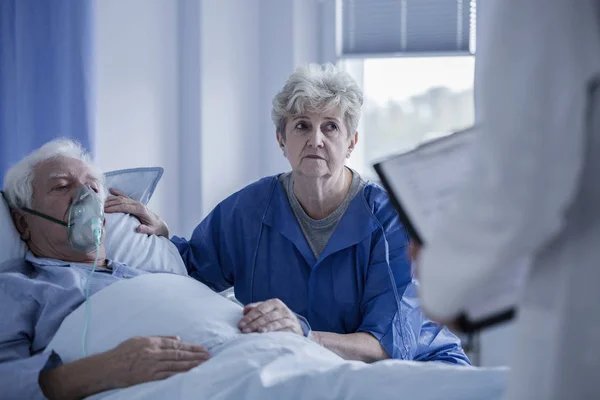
[(317, 144), (55, 182)]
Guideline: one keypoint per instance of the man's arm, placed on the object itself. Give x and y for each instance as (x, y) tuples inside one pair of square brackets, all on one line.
[(27, 376), (76, 380), (19, 369), (19, 378), (137, 360)]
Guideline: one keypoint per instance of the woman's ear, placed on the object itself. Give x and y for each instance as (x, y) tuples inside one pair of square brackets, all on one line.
[(353, 142), (21, 224), (280, 140)]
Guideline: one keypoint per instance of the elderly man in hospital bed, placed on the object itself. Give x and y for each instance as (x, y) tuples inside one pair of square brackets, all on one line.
[(52, 186), (59, 341)]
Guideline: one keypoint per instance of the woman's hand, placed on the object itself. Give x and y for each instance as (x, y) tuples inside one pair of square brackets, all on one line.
[(269, 316), (151, 224)]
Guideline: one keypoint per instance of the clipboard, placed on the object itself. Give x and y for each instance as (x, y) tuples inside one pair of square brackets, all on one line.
[(390, 170)]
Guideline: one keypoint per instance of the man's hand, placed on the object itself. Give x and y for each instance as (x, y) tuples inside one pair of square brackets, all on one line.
[(137, 360), (269, 316), (145, 359), (151, 224)]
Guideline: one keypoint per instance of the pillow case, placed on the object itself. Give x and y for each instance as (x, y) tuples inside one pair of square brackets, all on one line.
[(122, 242), (149, 305), (138, 250), (11, 245), (137, 183)]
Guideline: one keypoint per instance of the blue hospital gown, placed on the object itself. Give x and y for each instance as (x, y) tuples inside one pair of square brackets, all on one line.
[(362, 281), (34, 300)]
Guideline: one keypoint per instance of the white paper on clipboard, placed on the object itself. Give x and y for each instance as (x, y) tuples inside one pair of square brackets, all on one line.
[(423, 184), (426, 178)]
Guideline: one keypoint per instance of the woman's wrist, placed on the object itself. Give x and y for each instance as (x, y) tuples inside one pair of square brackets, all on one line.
[(316, 337)]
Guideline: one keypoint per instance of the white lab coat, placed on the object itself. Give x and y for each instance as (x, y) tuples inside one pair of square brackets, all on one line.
[(534, 191)]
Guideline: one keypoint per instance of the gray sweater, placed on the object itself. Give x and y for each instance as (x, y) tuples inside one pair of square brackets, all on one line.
[(318, 232)]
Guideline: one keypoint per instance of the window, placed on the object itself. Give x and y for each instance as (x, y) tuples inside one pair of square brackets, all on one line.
[(407, 101)]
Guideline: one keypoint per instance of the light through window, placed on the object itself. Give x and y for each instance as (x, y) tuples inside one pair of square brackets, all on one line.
[(408, 101)]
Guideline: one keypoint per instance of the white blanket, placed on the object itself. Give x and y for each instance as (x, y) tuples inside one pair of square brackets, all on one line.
[(253, 366)]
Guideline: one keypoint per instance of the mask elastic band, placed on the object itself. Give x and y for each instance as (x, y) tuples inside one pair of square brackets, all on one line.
[(49, 218)]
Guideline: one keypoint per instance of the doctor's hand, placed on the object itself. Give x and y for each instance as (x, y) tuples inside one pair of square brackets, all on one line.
[(414, 249), (269, 316), (145, 359), (151, 224)]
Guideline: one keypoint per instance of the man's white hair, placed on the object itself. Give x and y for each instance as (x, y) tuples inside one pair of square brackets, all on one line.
[(318, 88), (18, 181)]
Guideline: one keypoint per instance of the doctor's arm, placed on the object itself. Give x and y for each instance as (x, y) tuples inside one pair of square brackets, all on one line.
[(528, 155)]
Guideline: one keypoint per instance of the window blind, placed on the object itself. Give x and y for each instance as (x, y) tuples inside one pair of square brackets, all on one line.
[(409, 27)]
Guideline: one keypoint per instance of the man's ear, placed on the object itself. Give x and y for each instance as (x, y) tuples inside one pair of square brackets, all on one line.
[(21, 224)]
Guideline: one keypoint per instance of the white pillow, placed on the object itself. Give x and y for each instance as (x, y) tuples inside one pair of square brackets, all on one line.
[(122, 242), (138, 250), (11, 245), (137, 183), (149, 305)]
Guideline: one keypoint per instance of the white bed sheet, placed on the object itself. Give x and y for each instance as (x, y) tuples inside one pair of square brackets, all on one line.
[(255, 366)]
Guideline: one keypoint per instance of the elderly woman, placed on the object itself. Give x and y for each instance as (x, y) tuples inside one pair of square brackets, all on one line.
[(317, 244)]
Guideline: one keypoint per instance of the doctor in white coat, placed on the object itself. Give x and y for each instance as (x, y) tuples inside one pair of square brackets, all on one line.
[(534, 192)]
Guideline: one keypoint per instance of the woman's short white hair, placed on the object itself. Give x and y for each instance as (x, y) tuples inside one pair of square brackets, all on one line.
[(18, 181), (318, 88)]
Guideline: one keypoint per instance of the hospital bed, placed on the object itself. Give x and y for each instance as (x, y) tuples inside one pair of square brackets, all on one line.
[(252, 366)]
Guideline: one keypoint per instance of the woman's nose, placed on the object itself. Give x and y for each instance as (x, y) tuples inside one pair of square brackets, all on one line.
[(316, 138)]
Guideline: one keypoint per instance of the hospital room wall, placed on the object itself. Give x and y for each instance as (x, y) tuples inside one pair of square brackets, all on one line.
[(230, 86), (136, 91), (187, 85), (259, 43), (289, 37), (173, 88)]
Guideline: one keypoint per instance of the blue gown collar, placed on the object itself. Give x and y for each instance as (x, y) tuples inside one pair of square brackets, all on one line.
[(356, 224)]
